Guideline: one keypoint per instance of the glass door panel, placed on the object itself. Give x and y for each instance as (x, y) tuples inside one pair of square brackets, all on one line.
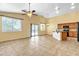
[(34, 30)]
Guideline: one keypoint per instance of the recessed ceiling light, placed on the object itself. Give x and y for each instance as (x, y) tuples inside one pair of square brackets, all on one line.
[(72, 7), (57, 8), (72, 4), (57, 12)]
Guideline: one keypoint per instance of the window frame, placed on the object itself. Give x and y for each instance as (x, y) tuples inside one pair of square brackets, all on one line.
[(42, 26), (21, 22)]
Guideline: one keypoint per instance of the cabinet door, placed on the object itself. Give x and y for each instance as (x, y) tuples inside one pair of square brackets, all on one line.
[(73, 25), (60, 26), (73, 34), (64, 35)]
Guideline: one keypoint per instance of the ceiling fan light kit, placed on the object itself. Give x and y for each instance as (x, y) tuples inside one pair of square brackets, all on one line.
[(29, 14)]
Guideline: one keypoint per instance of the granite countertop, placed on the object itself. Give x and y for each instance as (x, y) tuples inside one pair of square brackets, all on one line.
[(60, 31)]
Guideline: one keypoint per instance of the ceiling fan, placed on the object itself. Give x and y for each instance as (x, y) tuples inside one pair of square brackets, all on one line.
[(29, 13)]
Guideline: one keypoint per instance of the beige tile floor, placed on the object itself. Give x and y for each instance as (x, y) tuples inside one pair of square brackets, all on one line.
[(39, 46)]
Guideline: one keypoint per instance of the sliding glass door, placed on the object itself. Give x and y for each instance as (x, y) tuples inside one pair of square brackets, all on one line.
[(34, 29)]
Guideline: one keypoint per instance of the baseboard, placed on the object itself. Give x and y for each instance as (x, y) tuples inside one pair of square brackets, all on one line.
[(14, 39), (21, 38)]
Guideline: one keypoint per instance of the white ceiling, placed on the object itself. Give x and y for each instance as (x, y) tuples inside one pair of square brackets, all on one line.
[(44, 9)]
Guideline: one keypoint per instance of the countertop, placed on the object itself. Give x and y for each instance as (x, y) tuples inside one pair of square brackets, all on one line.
[(60, 31)]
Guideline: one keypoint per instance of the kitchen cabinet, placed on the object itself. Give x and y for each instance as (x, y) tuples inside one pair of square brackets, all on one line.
[(64, 36), (72, 34), (72, 28)]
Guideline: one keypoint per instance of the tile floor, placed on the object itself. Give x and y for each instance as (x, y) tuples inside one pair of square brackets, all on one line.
[(40, 46)]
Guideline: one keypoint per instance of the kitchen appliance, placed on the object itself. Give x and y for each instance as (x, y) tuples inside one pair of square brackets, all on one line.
[(66, 29)]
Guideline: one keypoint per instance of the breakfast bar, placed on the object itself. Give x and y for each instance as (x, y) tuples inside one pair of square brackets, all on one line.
[(60, 35)]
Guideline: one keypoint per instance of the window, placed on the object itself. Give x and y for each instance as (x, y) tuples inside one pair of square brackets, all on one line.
[(11, 24), (17, 25), (42, 27)]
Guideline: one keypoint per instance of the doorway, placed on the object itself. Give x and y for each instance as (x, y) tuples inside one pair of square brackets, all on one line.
[(34, 29)]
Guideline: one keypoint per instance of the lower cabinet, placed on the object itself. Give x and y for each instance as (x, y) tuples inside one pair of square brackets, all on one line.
[(64, 36), (73, 34)]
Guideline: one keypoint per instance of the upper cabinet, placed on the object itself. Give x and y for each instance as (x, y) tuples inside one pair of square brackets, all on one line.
[(71, 25)]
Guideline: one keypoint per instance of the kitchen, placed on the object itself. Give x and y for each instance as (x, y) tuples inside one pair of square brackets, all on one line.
[(65, 30)]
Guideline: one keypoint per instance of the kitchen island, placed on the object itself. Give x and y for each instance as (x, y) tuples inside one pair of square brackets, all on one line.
[(60, 35)]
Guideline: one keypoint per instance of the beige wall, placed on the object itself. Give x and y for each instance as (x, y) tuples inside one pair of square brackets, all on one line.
[(66, 18), (4, 36), (39, 20), (51, 24)]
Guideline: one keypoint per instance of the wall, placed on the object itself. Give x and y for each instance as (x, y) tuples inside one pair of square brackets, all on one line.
[(5, 36), (66, 18), (38, 20)]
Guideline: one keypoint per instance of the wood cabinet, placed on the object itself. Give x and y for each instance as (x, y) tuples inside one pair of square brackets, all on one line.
[(73, 25), (72, 34), (72, 28), (60, 26), (64, 36)]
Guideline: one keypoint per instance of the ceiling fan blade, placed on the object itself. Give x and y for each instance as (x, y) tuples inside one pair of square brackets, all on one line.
[(33, 11), (23, 14), (24, 11), (35, 14)]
